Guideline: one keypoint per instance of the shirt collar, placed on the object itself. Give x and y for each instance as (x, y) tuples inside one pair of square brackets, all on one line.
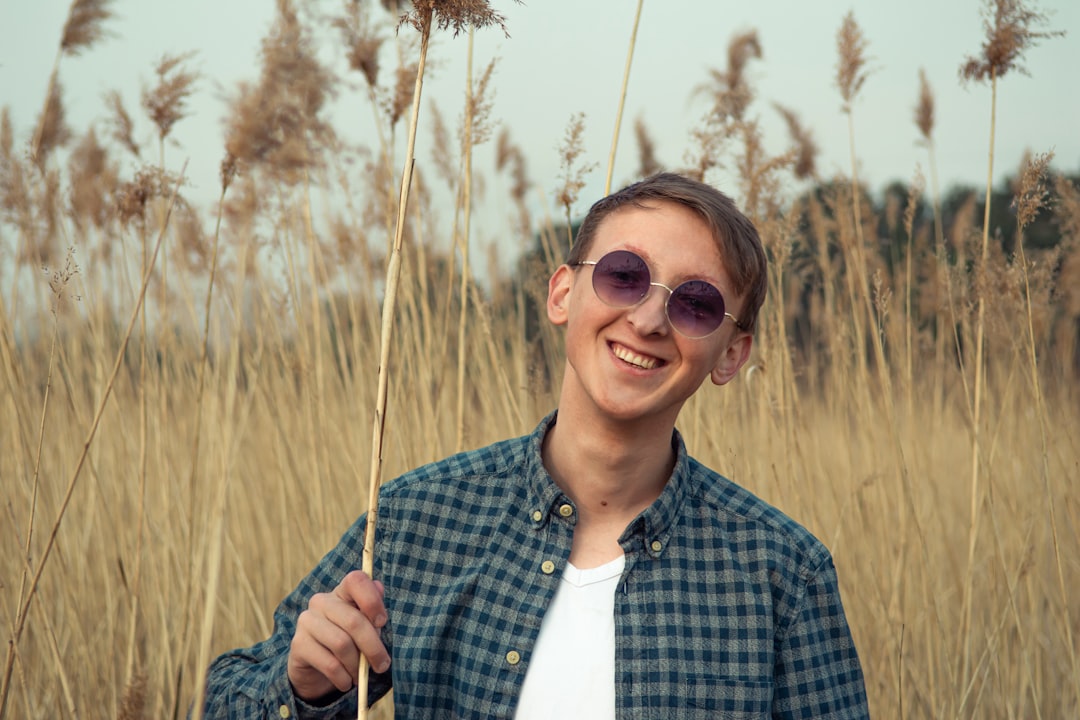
[(650, 530)]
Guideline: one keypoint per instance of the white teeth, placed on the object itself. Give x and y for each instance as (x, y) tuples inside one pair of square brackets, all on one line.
[(633, 358)]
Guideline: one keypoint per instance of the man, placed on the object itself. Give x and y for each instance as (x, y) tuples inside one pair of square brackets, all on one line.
[(592, 569)]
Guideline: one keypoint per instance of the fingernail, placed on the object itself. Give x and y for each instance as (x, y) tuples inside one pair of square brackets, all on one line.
[(380, 621), (383, 666)]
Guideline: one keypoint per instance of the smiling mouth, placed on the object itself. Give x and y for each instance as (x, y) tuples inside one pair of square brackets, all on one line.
[(628, 356)]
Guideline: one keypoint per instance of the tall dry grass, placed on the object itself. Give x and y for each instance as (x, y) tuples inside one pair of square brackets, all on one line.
[(230, 441)]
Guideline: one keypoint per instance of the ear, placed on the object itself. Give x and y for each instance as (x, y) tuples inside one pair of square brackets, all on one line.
[(732, 358), (559, 287)]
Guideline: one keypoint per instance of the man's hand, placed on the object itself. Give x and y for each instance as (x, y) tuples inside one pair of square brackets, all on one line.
[(331, 635)]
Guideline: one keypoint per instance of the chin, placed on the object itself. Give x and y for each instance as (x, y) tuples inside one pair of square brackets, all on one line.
[(635, 412)]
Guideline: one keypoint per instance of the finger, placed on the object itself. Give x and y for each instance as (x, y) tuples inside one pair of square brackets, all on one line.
[(362, 634), (367, 594), (324, 648)]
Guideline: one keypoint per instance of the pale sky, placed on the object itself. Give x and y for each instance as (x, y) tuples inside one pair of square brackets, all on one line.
[(567, 56)]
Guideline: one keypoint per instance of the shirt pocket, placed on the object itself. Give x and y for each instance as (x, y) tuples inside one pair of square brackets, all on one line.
[(730, 698)]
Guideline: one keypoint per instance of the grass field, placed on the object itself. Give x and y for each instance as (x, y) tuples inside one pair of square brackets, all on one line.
[(173, 466)]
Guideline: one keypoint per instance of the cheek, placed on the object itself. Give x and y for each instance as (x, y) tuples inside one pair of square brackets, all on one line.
[(704, 357)]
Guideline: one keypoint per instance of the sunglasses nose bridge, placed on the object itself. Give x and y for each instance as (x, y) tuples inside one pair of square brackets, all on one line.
[(667, 304), (670, 292), (662, 286), (646, 315)]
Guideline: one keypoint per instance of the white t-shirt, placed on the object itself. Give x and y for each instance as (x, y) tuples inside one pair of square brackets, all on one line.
[(572, 670)]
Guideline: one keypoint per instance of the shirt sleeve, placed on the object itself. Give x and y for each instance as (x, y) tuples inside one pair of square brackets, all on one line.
[(818, 674), (253, 683)]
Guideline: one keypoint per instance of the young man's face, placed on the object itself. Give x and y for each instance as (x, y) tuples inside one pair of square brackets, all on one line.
[(629, 363)]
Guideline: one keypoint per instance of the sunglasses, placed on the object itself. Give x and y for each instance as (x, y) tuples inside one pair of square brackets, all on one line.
[(695, 309)]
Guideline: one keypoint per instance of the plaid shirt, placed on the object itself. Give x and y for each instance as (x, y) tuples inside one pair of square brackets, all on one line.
[(726, 607)]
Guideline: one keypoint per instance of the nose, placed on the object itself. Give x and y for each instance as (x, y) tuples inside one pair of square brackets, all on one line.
[(649, 317)]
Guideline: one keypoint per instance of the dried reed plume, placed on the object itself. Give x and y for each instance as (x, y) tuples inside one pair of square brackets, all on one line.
[(759, 174), (120, 123), (166, 101), (84, 25), (15, 204), (1067, 210), (52, 129), (572, 173), (361, 42), (915, 191), (708, 140), (277, 125), (401, 100), (647, 162), (730, 95), (806, 150), (924, 108), (443, 157), (60, 279), (851, 70), (1067, 219), (92, 179), (1010, 31), (228, 171), (133, 701), (81, 30), (508, 156), (1032, 193), (131, 198), (7, 135), (728, 88), (455, 14), (191, 247), (480, 103)]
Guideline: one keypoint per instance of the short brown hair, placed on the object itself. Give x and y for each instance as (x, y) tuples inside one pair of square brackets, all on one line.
[(735, 236)]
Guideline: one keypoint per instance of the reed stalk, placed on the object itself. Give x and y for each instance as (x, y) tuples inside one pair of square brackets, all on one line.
[(318, 398), (978, 388), (924, 121), (622, 99), (37, 454), (850, 76), (216, 536), (393, 274), (466, 202), (228, 173)]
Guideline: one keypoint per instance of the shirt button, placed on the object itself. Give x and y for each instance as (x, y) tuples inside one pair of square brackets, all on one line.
[(548, 567), (283, 711), (513, 657), (566, 510), (537, 516), (657, 546)]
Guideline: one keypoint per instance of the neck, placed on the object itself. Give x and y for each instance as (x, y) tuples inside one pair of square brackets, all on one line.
[(611, 470)]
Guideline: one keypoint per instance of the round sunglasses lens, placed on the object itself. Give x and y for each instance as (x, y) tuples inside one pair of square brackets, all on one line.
[(621, 279), (696, 308)]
